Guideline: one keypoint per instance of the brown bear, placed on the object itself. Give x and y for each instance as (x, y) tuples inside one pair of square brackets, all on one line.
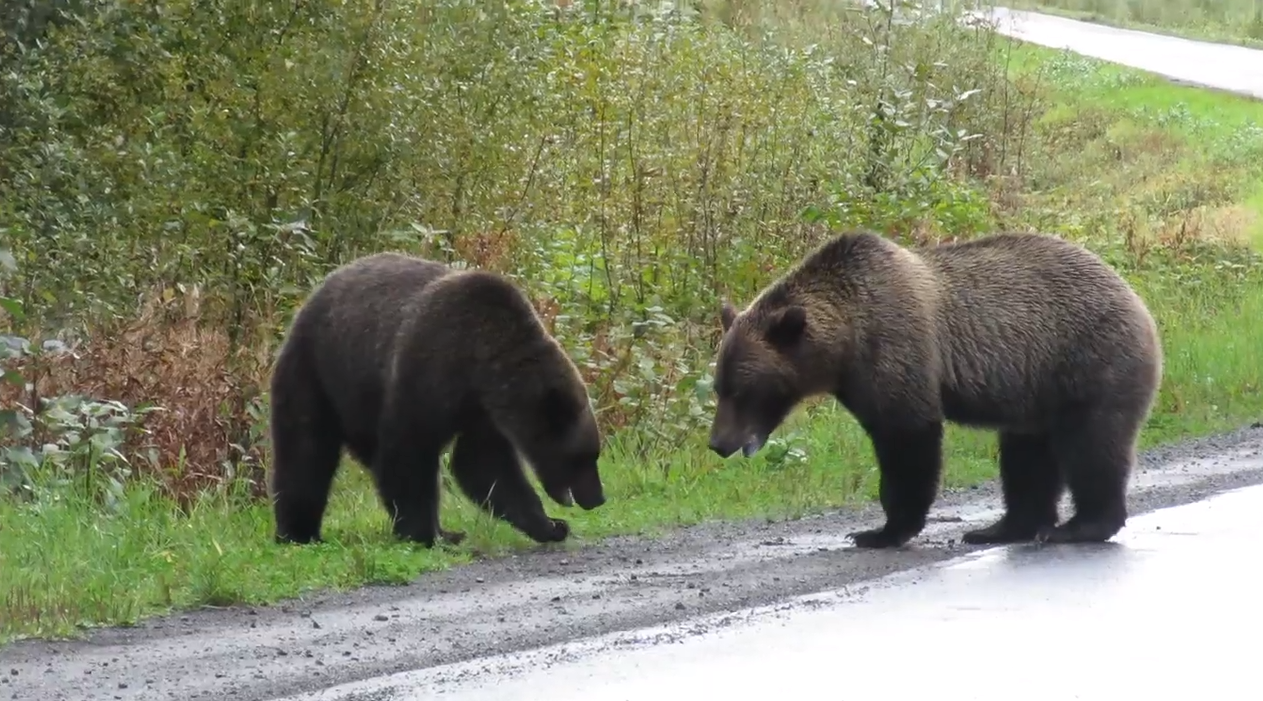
[(392, 357), (1026, 334)]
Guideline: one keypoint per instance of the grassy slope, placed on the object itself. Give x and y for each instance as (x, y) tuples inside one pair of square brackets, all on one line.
[(1113, 141), (1150, 144)]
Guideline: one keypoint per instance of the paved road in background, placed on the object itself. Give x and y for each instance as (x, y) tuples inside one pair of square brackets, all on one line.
[(1219, 66), (1063, 615)]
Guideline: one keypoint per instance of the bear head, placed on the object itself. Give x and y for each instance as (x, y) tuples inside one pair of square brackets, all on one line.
[(556, 430), (757, 382)]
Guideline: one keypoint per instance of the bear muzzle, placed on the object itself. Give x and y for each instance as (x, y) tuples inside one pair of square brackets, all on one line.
[(726, 447), (753, 445), (586, 491)]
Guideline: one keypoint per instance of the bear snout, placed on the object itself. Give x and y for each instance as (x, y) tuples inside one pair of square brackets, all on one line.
[(723, 448), (752, 446), (725, 444), (726, 448), (727, 433), (587, 490)]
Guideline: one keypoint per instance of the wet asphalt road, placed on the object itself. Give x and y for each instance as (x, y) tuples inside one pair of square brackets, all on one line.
[(1140, 617), (455, 627)]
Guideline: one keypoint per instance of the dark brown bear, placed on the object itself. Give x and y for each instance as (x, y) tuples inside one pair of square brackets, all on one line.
[(393, 357), (1026, 334)]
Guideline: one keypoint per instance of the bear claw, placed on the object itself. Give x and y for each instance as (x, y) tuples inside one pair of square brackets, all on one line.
[(561, 530)]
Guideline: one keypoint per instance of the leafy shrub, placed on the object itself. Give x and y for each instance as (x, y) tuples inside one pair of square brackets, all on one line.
[(176, 175)]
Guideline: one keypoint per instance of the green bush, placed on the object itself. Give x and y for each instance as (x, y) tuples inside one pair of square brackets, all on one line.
[(212, 159)]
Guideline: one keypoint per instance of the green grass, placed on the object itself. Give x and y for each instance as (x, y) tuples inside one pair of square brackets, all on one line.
[(1146, 148), (1225, 21), (1120, 159)]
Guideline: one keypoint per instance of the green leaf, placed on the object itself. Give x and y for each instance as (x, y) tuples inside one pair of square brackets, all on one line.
[(13, 307)]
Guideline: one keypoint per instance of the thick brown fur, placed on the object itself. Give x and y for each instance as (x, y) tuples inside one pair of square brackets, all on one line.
[(392, 357), (1029, 335)]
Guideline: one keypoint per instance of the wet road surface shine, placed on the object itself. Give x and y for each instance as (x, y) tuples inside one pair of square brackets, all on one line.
[(1167, 610)]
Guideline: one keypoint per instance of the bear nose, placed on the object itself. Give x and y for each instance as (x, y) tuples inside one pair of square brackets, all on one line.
[(721, 449)]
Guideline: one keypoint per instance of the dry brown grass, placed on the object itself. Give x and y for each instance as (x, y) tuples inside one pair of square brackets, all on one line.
[(169, 357), (1224, 226), (487, 250)]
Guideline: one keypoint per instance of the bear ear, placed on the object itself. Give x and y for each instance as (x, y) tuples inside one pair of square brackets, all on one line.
[(727, 315), (787, 326)]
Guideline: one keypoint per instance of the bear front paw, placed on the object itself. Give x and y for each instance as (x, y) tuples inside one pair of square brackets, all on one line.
[(561, 530)]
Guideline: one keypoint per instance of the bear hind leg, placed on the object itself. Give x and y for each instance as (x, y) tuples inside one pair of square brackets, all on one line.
[(1096, 451), (306, 449), (488, 471), (911, 462), (1032, 484)]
